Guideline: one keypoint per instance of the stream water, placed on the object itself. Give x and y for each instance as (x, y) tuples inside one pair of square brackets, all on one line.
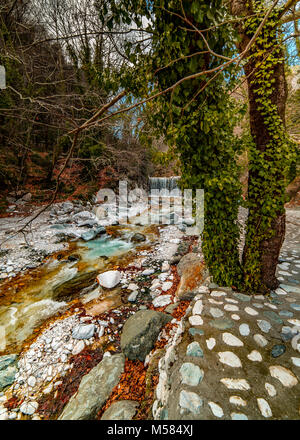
[(42, 293)]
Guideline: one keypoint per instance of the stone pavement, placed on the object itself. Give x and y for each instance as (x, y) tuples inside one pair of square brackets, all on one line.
[(238, 357)]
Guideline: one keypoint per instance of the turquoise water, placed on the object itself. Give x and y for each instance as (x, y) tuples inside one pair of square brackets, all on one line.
[(106, 246)]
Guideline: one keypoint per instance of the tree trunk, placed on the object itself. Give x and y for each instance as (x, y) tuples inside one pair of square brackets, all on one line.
[(267, 172)]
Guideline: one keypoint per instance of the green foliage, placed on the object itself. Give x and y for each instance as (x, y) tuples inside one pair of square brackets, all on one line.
[(197, 118), (270, 164)]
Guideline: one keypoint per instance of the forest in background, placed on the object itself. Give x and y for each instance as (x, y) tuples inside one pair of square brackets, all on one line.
[(60, 58)]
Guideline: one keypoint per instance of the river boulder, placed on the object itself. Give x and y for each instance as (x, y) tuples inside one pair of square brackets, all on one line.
[(109, 279), (140, 332), (94, 389)]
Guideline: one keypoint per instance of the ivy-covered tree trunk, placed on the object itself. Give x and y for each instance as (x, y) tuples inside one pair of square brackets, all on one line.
[(270, 155)]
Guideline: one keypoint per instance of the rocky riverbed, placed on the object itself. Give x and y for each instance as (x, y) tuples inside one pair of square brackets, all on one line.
[(138, 324)]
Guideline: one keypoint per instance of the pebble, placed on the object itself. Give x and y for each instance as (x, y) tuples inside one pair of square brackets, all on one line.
[(190, 401), (265, 326), (83, 331), (166, 286), (198, 307), (238, 416), (133, 296), (296, 361), (195, 331), (264, 407), (278, 350), (284, 375), (232, 340), (211, 342), (260, 340), (271, 390), (251, 311), (231, 308), (216, 409), (216, 313), (273, 316), (255, 356), (31, 381), (236, 384), (29, 408), (195, 320), (230, 359), (161, 301), (217, 293), (191, 374), (237, 400), (235, 317), (222, 323), (194, 349), (78, 347), (244, 329)]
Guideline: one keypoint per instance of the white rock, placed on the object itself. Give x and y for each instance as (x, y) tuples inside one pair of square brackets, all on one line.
[(217, 293), (78, 347), (244, 329), (133, 296), (166, 286), (195, 320), (271, 390), (260, 340), (109, 279), (285, 376), (31, 381), (237, 400), (132, 286), (29, 408), (232, 340), (230, 359), (296, 361), (251, 311), (231, 308), (235, 317), (211, 342), (198, 307), (236, 384), (255, 356), (165, 267), (264, 407), (216, 409), (161, 301)]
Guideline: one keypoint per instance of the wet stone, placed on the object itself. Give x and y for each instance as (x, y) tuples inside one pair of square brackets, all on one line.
[(194, 349), (222, 323), (195, 331), (273, 316)]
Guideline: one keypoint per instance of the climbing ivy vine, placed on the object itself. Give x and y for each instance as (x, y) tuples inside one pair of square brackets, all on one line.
[(271, 154)]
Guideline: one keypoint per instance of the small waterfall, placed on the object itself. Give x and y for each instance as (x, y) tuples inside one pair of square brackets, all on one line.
[(163, 183)]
